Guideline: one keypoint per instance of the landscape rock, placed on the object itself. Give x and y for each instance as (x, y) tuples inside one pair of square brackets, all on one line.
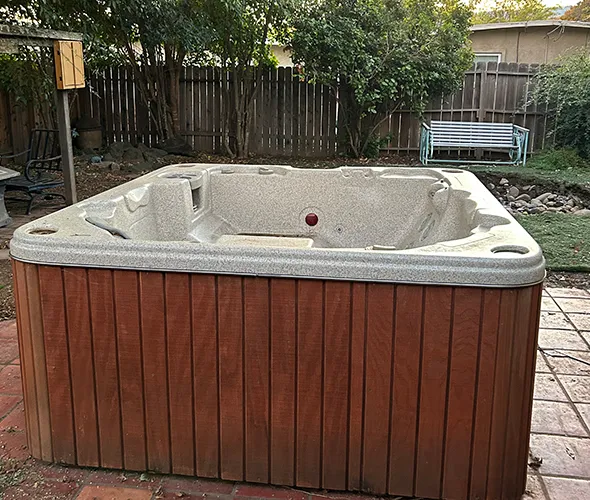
[(504, 181), (584, 212), (513, 191), (543, 197), (132, 154), (118, 148), (108, 157), (524, 197), (175, 146), (510, 198), (152, 154)]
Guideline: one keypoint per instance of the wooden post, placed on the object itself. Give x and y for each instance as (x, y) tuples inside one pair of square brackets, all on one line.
[(65, 142), (483, 88)]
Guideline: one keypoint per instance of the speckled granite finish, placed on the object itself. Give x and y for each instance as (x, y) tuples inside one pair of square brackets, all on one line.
[(392, 224)]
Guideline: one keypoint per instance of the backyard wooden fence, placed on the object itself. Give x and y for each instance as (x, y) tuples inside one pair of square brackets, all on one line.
[(292, 117)]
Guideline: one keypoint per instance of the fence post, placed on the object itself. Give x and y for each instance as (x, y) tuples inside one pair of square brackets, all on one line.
[(483, 88)]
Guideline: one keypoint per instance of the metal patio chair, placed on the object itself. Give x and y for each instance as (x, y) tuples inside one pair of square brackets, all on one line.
[(42, 167)]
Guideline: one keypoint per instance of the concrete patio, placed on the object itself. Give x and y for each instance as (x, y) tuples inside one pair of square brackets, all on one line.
[(560, 436)]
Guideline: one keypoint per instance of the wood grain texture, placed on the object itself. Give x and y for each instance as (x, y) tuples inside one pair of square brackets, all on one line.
[(108, 402), (381, 388), (179, 347), (131, 379), (82, 370)]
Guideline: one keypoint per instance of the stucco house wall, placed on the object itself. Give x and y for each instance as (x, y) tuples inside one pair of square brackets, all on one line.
[(533, 42)]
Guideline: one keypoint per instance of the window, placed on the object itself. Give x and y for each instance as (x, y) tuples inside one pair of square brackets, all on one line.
[(486, 58)]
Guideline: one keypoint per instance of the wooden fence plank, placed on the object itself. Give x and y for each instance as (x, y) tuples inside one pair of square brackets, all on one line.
[(291, 116)]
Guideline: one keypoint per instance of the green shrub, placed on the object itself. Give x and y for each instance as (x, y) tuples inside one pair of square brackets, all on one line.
[(559, 160), (566, 89)]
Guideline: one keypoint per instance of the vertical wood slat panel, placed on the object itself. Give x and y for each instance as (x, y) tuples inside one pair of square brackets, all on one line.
[(516, 396), (310, 349), (131, 376), (108, 404), (288, 110), (51, 287), (374, 469), (465, 335), (231, 376), (256, 383), (336, 397), (27, 364), (39, 360), (155, 363), (109, 122), (433, 391), (501, 389), (408, 328), (131, 105), (485, 389), (527, 401), (357, 351), (280, 129), (283, 316), (324, 417), (180, 371), (206, 362), (81, 365)]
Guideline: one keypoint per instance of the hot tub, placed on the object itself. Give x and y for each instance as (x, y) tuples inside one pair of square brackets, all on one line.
[(362, 329)]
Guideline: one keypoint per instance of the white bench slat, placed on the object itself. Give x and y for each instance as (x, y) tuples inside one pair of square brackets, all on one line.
[(471, 134)]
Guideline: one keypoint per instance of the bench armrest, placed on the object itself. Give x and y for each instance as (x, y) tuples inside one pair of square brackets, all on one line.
[(425, 126)]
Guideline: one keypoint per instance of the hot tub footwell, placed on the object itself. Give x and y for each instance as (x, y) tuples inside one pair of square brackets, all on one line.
[(416, 390)]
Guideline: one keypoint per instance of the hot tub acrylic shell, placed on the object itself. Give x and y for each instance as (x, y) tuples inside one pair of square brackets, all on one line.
[(376, 385)]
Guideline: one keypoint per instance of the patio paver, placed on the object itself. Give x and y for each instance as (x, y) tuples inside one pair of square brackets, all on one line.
[(552, 319), (565, 362), (568, 292), (572, 489), (560, 432), (580, 321), (577, 388), (551, 417), (561, 339), (548, 389), (571, 305)]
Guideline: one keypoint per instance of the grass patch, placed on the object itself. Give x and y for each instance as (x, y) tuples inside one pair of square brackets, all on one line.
[(564, 238), (557, 165)]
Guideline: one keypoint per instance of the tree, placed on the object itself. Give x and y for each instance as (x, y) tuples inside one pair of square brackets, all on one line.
[(379, 55), (579, 12), (565, 88), (154, 37), (241, 34), (504, 11)]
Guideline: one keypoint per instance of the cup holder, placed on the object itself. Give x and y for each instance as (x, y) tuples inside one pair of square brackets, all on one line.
[(511, 249)]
